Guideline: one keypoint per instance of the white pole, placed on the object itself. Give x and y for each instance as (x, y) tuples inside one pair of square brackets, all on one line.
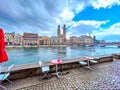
[(0, 67)]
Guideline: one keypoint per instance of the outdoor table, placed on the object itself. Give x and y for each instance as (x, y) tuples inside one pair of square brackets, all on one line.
[(56, 62), (88, 62)]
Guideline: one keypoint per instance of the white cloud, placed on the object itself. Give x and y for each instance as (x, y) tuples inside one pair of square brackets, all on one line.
[(43, 16), (30, 16), (67, 15), (83, 27), (113, 30), (37, 15), (93, 23), (79, 7), (104, 3)]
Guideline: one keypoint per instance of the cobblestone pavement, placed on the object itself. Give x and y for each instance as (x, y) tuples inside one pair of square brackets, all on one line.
[(105, 77)]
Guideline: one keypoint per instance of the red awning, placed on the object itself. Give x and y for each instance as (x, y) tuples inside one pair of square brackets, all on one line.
[(3, 54)]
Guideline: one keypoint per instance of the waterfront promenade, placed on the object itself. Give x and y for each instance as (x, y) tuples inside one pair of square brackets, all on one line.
[(105, 77), (20, 46)]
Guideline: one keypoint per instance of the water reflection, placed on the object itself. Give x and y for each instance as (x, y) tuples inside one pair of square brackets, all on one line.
[(33, 55)]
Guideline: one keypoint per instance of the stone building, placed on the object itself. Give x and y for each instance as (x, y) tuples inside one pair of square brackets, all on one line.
[(74, 40), (18, 39), (86, 39), (40, 40), (9, 38), (81, 40), (46, 40), (30, 39), (55, 40), (60, 35)]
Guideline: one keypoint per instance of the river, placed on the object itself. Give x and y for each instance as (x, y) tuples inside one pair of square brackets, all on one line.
[(19, 56)]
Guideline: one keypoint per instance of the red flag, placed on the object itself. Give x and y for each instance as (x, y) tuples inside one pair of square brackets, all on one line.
[(3, 54)]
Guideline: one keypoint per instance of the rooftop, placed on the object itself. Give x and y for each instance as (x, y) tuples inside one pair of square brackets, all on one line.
[(105, 76)]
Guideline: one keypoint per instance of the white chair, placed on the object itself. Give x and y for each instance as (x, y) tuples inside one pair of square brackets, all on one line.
[(83, 63), (95, 59), (4, 76), (45, 70), (94, 62)]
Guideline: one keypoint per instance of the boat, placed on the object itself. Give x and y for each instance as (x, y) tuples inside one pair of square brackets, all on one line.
[(61, 52), (102, 45), (118, 46), (90, 45)]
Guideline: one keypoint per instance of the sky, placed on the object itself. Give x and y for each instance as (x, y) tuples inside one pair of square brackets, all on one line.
[(100, 18)]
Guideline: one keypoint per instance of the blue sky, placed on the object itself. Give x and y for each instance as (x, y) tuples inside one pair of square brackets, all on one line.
[(82, 17)]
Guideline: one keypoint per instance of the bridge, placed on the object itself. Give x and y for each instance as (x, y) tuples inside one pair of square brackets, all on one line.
[(110, 44)]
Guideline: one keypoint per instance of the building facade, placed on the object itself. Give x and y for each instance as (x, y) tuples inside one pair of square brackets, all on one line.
[(17, 39), (9, 38), (46, 40), (30, 39), (81, 40), (89, 40), (60, 35), (74, 40), (55, 40), (40, 40)]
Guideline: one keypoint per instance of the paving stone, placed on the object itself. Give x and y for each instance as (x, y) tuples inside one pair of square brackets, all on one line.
[(105, 77)]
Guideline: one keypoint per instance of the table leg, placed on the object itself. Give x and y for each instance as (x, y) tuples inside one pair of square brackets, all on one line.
[(88, 67), (56, 68), (57, 73)]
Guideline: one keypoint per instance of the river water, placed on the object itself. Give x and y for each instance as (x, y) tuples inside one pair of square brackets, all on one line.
[(19, 56)]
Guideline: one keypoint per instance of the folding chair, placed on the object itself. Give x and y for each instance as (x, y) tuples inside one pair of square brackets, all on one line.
[(4, 76), (94, 62), (95, 59), (83, 63), (45, 70)]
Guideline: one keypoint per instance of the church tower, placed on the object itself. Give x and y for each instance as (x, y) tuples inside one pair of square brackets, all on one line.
[(64, 33), (58, 31)]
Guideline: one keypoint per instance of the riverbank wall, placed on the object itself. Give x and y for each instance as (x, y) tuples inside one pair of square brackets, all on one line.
[(31, 46), (116, 56), (30, 70)]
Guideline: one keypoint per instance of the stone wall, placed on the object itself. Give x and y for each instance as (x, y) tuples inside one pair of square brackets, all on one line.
[(105, 59), (116, 56), (29, 70)]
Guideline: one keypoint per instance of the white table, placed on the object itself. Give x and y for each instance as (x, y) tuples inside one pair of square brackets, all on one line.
[(88, 62), (56, 62)]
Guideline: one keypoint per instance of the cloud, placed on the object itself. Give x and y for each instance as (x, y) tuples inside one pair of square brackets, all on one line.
[(113, 31), (84, 27), (104, 3), (72, 8), (93, 23), (35, 15), (67, 15), (43, 16)]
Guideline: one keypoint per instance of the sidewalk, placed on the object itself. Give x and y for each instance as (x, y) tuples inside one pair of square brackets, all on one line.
[(105, 77)]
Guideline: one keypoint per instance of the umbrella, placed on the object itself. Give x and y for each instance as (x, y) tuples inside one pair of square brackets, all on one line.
[(3, 54)]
